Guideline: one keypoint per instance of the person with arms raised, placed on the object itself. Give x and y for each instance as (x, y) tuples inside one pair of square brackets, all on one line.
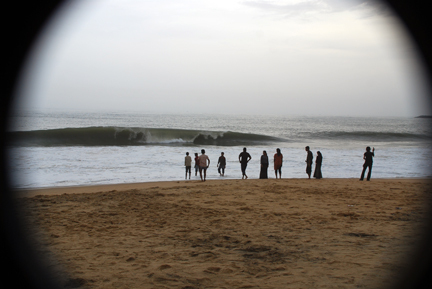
[(368, 157)]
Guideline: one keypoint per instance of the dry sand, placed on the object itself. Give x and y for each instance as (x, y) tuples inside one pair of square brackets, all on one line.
[(289, 233)]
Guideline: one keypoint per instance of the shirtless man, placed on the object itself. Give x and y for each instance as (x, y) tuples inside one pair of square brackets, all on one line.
[(244, 158)]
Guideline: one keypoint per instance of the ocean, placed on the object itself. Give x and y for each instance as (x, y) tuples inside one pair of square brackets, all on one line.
[(51, 149)]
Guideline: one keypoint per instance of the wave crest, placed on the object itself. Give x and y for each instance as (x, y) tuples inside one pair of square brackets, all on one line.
[(132, 136)]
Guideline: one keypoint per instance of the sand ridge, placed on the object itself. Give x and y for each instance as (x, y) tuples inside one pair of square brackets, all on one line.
[(289, 233)]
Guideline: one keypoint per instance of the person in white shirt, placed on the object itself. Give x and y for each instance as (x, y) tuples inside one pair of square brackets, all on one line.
[(188, 164), (204, 163)]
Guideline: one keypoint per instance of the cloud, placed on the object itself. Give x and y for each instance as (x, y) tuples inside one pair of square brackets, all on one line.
[(348, 5), (168, 56), (288, 9), (369, 7)]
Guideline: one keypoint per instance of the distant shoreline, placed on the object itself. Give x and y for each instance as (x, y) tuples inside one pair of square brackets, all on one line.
[(424, 116), (83, 189)]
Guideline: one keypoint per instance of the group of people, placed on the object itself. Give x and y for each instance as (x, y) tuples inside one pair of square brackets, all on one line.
[(202, 162), (278, 160)]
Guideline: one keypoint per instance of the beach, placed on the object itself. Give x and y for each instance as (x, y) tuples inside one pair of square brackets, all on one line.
[(289, 233)]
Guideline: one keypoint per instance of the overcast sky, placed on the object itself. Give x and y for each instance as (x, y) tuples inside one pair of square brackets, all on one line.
[(292, 57)]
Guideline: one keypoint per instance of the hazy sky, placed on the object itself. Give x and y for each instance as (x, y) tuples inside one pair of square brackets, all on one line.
[(292, 57)]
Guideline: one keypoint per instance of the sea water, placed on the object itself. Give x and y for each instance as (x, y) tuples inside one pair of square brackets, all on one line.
[(49, 149)]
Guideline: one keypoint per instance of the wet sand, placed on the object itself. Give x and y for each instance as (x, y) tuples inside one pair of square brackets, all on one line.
[(289, 233)]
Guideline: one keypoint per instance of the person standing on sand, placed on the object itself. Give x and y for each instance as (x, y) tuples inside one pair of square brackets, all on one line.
[(277, 159), (264, 165), (368, 157), (244, 158), (221, 164), (318, 162), (309, 160), (204, 163), (196, 164), (188, 164)]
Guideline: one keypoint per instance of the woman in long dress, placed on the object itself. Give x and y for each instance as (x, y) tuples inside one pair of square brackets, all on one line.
[(278, 159), (264, 166), (317, 174)]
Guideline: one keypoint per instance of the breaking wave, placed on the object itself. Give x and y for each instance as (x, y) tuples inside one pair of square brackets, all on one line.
[(133, 136)]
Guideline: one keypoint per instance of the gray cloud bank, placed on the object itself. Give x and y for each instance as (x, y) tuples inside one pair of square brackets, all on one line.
[(329, 6)]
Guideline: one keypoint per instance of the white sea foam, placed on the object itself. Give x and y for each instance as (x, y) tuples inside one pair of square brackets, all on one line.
[(395, 156)]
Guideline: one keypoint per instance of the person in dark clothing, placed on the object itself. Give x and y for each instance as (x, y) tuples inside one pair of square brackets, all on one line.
[(318, 162), (221, 164), (264, 166), (309, 161), (244, 158), (196, 164), (277, 160), (368, 157)]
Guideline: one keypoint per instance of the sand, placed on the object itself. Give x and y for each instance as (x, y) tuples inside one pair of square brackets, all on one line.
[(289, 233)]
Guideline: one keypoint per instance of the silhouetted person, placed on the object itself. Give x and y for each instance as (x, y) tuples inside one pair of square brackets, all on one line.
[(196, 164), (221, 164), (264, 166), (317, 173), (204, 163), (188, 164), (278, 159), (368, 157), (244, 158), (309, 161)]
